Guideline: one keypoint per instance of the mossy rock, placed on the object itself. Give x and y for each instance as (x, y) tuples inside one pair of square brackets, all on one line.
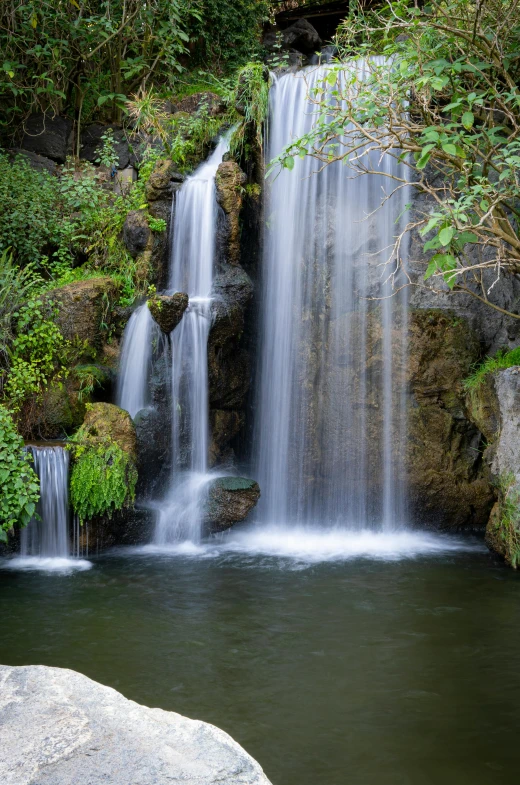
[(168, 309), (230, 500), (107, 422), (82, 308)]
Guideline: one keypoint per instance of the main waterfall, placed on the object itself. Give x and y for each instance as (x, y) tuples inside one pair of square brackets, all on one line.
[(330, 423)]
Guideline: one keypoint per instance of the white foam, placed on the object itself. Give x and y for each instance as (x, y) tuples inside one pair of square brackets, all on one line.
[(312, 544), (45, 564)]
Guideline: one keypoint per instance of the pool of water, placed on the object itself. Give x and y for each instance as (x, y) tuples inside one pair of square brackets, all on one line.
[(334, 660)]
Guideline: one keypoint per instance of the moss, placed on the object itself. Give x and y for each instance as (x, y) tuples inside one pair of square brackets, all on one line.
[(482, 370)]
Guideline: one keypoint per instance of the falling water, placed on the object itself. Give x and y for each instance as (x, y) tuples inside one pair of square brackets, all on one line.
[(136, 357), (191, 270), (49, 536), (330, 422)]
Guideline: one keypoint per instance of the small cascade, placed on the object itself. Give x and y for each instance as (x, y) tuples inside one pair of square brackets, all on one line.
[(140, 335), (331, 424), (192, 259), (48, 537)]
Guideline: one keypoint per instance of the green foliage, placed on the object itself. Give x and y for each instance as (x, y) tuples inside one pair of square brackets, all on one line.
[(15, 286), (252, 102), (507, 527), (89, 377), (449, 109), (18, 481), (103, 478), (38, 353), (88, 57), (156, 224), (491, 364), (107, 155)]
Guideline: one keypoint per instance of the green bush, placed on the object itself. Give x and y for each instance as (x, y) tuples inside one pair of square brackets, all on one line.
[(18, 481), (15, 286)]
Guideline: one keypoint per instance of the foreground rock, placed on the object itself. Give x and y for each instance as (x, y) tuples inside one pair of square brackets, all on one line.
[(107, 422), (82, 307), (168, 309), (230, 500), (57, 727)]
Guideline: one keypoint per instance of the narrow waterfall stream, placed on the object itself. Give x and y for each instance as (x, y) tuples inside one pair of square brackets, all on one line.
[(133, 393), (331, 419), (45, 541)]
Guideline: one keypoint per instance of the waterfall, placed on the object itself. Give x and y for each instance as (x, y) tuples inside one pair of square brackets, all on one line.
[(330, 427), (48, 537), (192, 259), (136, 357)]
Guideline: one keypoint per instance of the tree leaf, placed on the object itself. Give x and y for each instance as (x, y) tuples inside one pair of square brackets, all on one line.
[(446, 235), (468, 118)]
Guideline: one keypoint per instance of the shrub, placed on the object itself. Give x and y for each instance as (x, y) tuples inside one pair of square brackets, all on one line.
[(18, 481)]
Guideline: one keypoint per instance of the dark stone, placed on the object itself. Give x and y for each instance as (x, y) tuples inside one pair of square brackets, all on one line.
[(39, 162), (136, 232), (229, 182), (153, 430), (168, 309), (225, 424), (91, 144), (130, 526), (82, 307), (301, 36), (163, 181), (48, 136), (230, 500)]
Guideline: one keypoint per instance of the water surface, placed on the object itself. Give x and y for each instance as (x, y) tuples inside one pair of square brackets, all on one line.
[(330, 667)]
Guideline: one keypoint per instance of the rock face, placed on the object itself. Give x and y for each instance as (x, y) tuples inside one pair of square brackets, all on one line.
[(107, 421), (229, 181), (448, 483), (494, 406), (230, 500), (82, 305), (136, 232), (58, 727), (168, 309), (39, 162), (301, 36), (214, 103), (48, 136)]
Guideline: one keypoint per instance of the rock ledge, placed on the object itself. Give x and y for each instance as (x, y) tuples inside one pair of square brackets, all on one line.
[(58, 727)]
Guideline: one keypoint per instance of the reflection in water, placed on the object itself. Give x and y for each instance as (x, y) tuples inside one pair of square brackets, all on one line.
[(361, 671)]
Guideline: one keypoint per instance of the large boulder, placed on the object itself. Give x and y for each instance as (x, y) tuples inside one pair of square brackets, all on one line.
[(229, 501), (83, 306), (36, 161), (301, 36), (107, 422), (127, 146), (48, 136), (163, 181), (136, 232), (168, 310), (58, 727)]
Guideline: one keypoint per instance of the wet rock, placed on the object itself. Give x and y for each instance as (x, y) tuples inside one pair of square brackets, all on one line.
[(301, 36), (229, 182), (83, 306), (224, 426), (153, 431), (163, 181), (136, 232), (127, 146), (130, 526), (58, 727), (230, 500), (168, 310), (107, 422), (57, 412), (48, 136)]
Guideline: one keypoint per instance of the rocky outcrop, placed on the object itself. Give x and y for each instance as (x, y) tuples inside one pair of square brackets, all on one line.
[(494, 407), (229, 182), (58, 727), (230, 500), (301, 36), (448, 483), (82, 307), (107, 422), (192, 103), (49, 136), (136, 232), (39, 162), (168, 309)]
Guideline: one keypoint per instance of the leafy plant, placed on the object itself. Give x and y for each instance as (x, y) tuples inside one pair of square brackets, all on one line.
[(501, 360), (15, 286), (156, 224), (445, 102), (18, 481), (103, 478), (252, 102), (507, 526), (107, 154)]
